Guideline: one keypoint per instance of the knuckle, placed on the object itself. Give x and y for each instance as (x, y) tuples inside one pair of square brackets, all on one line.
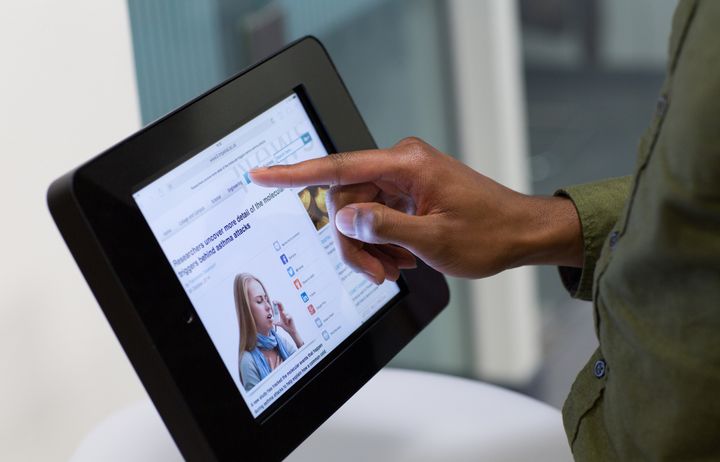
[(339, 161), (423, 155), (410, 140), (416, 153)]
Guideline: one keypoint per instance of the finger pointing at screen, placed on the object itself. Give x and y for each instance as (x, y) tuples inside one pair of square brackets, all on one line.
[(412, 197)]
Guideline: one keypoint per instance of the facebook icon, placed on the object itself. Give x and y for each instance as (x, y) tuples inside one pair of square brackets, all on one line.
[(283, 259)]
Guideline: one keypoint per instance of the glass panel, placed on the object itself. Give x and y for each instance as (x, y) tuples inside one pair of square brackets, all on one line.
[(593, 71)]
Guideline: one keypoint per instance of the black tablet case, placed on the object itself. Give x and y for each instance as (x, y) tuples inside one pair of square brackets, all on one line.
[(175, 362)]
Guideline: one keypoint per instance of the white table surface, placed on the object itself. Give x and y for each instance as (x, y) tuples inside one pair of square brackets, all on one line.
[(399, 415)]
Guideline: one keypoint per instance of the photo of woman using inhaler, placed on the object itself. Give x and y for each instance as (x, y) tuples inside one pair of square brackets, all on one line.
[(263, 347)]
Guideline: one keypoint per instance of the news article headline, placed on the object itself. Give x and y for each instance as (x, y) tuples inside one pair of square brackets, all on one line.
[(225, 235)]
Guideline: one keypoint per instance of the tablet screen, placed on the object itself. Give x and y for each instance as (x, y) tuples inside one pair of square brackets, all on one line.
[(259, 264)]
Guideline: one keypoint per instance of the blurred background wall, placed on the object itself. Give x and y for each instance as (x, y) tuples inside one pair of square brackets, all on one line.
[(593, 71), (537, 93), (67, 91)]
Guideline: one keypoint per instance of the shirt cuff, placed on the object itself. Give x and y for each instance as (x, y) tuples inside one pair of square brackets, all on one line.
[(598, 205)]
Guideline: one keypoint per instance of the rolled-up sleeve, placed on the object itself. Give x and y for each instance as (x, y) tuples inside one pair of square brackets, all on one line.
[(598, 205)]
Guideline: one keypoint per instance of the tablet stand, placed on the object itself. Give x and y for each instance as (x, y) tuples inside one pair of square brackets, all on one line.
[(399, 415)]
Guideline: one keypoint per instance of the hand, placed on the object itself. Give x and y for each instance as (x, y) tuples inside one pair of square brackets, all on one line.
[(286, 322), (413, 198)]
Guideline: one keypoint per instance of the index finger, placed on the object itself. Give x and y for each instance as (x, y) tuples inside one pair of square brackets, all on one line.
[(342, 168)]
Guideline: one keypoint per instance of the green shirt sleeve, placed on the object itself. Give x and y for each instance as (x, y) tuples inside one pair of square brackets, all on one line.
[(598, 205)]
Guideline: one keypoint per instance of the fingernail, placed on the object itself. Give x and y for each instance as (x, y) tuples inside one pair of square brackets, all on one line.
[(345, 221), (372, 277)]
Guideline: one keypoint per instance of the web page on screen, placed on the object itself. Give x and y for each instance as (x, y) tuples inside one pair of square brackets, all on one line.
[(259, 264)]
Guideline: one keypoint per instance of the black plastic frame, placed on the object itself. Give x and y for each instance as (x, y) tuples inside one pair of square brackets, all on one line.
[(176, 360)]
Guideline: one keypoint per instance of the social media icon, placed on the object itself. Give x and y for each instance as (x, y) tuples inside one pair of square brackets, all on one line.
[(276, 245), (283, 259), (318, 322), (246, 175), (304, 297), (311, 309), (306, 138), (291, 271), (297, 283), (325, 335)]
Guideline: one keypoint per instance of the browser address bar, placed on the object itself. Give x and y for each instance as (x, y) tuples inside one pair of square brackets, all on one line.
[(207, 160)]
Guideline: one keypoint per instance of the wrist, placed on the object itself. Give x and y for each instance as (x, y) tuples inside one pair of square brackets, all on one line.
[(550, 233)]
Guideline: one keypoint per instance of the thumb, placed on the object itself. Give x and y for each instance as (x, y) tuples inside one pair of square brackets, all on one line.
[(378, 224)]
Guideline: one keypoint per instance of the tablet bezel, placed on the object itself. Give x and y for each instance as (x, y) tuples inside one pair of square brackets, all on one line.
[(175, 359)]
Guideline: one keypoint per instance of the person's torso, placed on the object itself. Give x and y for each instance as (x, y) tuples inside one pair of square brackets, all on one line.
[(651, 389)]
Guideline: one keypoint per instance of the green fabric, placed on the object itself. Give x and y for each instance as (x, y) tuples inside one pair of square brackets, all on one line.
[(656, 290), (599, 205)]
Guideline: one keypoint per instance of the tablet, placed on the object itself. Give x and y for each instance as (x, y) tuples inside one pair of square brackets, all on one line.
[(230, 299)]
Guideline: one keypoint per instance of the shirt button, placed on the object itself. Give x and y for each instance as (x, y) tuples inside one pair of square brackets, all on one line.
[(614, 236), (661, 107), (600, 368)]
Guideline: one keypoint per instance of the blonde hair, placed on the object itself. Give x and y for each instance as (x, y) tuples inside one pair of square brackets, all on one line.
[(246, 322)]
